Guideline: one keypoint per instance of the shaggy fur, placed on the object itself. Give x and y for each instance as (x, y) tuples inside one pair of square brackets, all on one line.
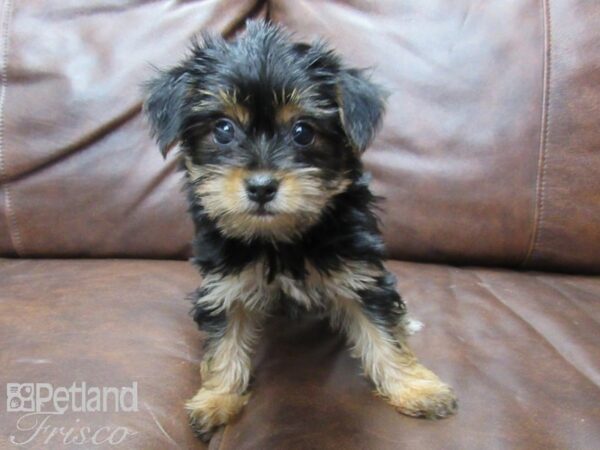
[(294, 115)]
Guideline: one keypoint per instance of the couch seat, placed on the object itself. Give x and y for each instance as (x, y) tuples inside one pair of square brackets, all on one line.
[(522, 350)]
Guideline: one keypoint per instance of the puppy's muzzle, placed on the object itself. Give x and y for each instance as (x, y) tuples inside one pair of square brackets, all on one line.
[(261, 188)]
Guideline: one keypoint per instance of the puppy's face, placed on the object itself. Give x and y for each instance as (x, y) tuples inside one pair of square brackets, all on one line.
[(271, 130)]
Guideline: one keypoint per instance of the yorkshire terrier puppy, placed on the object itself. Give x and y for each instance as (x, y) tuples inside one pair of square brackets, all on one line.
[(271, 134)]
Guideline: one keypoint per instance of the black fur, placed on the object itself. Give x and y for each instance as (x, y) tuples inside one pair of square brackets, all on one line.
[(263, 62), (348, 230), (345, 110)]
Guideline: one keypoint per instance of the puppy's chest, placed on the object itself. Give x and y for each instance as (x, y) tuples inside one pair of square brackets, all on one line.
[(310, 292), (256, 289)]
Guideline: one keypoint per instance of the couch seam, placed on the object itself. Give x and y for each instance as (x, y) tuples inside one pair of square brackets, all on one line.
[(540, 190), (11, 219)]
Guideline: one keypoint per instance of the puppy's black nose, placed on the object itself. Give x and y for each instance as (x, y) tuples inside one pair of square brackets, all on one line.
[(261, 188)]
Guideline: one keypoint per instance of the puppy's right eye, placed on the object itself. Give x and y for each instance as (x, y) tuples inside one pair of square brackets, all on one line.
[(224, 131), (303, 134)]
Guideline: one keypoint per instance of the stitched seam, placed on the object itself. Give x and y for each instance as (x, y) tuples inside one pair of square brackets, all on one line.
[(13, 229), (542, 162)]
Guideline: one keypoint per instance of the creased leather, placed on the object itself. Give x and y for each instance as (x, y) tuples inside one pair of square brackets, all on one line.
[(520, 349), (85, 177), (487, 153), (107, 323)]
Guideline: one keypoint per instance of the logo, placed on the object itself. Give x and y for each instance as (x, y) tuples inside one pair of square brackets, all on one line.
[(19, 397), (42, 404)]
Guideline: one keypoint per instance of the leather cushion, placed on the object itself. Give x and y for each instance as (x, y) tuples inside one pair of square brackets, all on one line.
[(520, 349), (108, 324), (488, 154), (79, 173)]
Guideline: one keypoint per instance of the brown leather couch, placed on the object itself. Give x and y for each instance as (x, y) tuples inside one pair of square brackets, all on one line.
[(489, 159)]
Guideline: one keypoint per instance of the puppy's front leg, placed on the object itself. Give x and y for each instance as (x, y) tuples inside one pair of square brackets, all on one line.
[(373, 325), (225, 367)]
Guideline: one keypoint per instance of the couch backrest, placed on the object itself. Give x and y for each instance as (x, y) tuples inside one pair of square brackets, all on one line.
[(489, 154)]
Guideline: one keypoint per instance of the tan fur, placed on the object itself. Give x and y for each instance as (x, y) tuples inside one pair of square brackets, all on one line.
[(287, 112), (226, 365), (227, 102), (247, 298), (295, 103), (422, 394), (386, 360), (318, 289), (301, 198), (398, 376), (233, 186), (238, 112), (225, 371), (248, 288), (209, 409)]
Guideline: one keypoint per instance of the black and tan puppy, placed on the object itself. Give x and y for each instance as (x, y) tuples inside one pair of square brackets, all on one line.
[(272, 133)]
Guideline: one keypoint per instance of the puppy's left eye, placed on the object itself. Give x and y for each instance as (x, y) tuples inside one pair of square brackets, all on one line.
[(224, 131), (303, 134)]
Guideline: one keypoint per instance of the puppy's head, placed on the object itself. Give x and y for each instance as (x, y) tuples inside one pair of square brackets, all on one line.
[(271, 130)]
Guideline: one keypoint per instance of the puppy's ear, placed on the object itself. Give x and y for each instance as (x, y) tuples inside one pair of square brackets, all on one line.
[(165, 100), (361, 105)]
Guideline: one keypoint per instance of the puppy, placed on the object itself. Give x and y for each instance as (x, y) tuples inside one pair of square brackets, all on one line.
[(271, 133)]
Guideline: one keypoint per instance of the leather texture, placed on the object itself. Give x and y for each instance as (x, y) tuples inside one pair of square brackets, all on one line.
[(488, 154), (521, 350), (80, 174), (109, 324)]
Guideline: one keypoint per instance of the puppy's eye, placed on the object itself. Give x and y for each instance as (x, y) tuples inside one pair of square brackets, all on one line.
[(224, 131), (303, 134)]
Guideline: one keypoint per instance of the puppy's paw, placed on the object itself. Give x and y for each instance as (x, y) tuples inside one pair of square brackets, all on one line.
[(424, 396), (209, 409)]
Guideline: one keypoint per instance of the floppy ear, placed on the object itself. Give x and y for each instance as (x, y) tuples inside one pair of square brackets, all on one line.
[(361, 104), (165, 98)]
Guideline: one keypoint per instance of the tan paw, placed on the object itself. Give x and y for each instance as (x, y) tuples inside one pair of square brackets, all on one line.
[(209, 409), (426, 396)]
